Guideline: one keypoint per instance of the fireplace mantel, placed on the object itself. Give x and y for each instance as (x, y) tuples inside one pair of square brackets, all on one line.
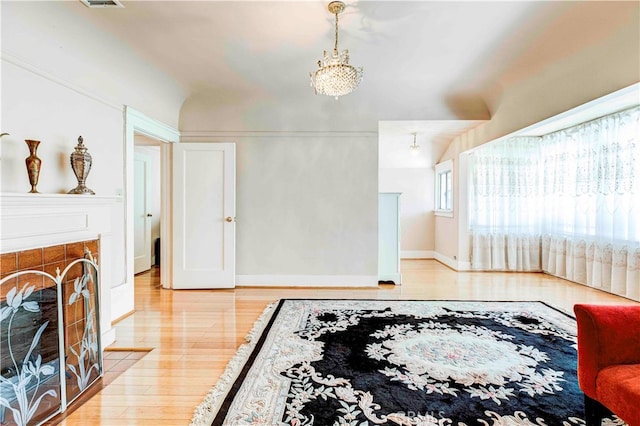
[(29, 221), (39, 220)]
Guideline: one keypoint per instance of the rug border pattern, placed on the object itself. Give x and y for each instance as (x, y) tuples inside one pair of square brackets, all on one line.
[(204, 413)]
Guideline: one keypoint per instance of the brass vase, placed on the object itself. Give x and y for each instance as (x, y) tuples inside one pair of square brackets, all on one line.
[(33, 164), (81, 165)]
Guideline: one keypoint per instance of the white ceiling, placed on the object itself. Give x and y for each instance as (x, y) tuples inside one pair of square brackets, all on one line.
[(431, 67), (433, 137)]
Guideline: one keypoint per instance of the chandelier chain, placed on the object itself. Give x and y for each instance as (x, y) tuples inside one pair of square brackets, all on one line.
[(335, 46)]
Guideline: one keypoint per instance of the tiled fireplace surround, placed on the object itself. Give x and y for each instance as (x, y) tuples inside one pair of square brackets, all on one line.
[(48, 259), (48, 231)]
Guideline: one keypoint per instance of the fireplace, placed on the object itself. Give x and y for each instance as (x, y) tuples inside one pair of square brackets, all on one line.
[(55, 310), (50, 350)]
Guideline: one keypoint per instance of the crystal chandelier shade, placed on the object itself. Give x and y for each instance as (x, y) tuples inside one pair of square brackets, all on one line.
[(335, 76)]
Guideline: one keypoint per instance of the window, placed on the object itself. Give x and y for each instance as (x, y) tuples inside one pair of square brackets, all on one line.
[(444, 189), (580, 182)]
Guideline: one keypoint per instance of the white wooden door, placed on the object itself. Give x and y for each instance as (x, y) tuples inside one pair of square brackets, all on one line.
[(141, 222), (204, 215)]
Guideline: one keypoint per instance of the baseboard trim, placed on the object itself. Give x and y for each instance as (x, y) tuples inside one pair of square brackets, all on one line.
[(125, 349), (464, 266), (306, 280), (108, 337), (122, 303), (121, 317), (417, 254), (452, 263)]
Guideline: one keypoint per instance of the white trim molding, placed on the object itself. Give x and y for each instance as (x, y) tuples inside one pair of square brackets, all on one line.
[(446, 260), (306, 281), (452, 263), (417, 254), (138, 123), (446, 167), (149, 127), (40, 220), (21, 63), (463, 266), (217, 136)]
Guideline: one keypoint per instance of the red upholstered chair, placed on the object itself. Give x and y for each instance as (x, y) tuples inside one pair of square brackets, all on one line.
[(609, 361)]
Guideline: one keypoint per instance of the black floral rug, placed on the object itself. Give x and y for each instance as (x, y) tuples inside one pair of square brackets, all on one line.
[(373, 362)]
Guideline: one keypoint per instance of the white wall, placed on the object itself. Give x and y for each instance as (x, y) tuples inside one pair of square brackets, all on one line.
[(61, 78), (55, 39), (306, 207), (416, 208), (34, 107)]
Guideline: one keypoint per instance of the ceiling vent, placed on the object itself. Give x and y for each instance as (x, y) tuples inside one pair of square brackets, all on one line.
[(102, 3)]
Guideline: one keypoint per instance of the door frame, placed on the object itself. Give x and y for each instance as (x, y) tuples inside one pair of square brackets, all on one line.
[(137, 122)]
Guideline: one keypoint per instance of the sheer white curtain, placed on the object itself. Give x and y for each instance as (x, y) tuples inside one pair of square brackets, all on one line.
[(591, 223), (576, 200), (505, 206)]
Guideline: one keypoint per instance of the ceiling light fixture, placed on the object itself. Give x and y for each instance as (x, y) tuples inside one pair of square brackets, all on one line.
[(103, 3), (414, 147), (335, 76)]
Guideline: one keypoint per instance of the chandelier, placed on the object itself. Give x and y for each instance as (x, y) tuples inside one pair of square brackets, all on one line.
[(414, 147), (335, 76)]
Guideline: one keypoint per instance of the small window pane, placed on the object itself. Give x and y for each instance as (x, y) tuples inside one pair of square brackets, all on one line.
[(444, 188), (443, 185), (449, 190)]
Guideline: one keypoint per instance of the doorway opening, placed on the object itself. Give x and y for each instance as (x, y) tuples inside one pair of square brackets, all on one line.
[(147, 203)]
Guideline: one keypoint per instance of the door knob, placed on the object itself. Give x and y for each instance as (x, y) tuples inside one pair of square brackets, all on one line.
[(229, 219), (149, 215)]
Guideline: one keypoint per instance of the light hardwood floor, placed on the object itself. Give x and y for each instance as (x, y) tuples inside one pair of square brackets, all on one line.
[(194, 333)]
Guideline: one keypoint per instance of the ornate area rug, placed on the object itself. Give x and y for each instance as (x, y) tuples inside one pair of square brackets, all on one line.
[(372, 362)]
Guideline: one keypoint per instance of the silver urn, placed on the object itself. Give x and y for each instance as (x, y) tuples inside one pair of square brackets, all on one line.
[(81, 165)]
